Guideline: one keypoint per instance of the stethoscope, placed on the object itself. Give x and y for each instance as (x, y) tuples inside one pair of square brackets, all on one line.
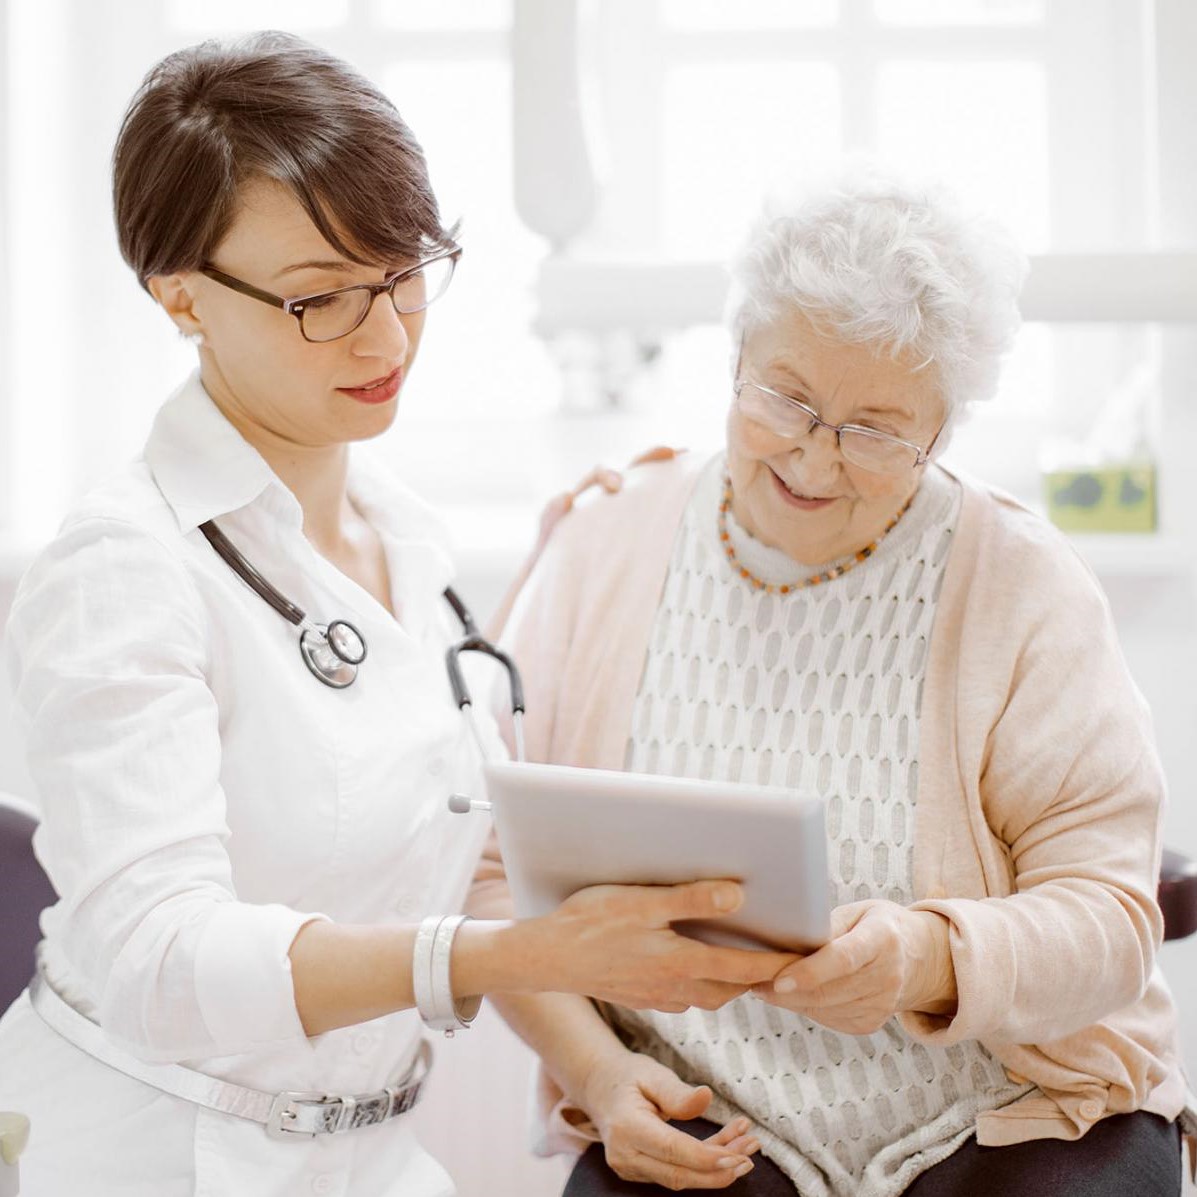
[(334, 651)]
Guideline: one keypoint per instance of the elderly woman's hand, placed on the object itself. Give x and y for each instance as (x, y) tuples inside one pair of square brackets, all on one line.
[(631, 1098), (881, 959)]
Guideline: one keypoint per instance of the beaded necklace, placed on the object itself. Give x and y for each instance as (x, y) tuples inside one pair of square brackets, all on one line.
[(827, 575)]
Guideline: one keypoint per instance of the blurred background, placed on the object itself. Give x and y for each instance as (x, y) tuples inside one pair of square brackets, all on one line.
[(604, 158)]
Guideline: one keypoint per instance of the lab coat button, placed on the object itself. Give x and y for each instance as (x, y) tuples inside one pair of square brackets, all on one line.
[(363, 1041), (322, 1183)]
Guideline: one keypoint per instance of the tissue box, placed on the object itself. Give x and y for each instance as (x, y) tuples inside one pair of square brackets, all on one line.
[(1110, 499)]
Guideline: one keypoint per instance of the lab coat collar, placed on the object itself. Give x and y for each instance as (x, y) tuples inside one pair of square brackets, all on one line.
[(204, 467), (404, 520)]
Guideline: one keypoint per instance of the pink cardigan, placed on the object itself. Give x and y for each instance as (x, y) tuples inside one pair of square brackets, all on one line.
[(1040, 795)]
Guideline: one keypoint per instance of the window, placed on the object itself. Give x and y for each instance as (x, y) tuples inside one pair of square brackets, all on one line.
[(708, 104), (538, 362)]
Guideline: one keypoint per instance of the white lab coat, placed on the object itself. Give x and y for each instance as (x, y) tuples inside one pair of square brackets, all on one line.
[(204, 796)]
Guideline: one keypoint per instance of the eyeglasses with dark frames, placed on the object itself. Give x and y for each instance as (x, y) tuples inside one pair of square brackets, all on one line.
[(329, 315)]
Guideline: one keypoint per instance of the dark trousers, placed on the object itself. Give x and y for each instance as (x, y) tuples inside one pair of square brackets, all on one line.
[(1128, 1155)]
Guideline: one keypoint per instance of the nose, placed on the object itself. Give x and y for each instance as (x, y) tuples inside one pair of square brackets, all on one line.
[(819, 455), (384, 332)]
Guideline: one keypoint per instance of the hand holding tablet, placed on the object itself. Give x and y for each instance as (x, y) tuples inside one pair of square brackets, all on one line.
[(563, 829)]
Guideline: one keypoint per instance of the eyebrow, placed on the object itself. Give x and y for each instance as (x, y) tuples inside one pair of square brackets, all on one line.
[(791, 373), (805, 387), (315, 264), (888, 411)]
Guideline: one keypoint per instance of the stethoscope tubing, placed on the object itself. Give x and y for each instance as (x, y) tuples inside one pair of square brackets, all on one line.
[(314, 639), (250, 576)]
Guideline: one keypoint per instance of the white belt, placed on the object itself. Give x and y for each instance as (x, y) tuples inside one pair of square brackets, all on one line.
[(284, 1114)]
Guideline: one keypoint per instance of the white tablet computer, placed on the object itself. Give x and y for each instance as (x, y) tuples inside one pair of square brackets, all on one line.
[(561, 829)]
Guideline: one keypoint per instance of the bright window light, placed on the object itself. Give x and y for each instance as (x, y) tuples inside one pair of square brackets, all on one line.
[(719, 14), (244, 16), (960, 12), (436, 14), (990, 142), (732, 130)]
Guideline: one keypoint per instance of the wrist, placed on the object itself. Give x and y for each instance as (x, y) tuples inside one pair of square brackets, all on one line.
[(596, 1075), (434, 985), (489, 956), (933, 982)]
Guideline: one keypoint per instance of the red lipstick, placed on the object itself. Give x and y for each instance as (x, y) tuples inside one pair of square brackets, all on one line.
[(381, 390)]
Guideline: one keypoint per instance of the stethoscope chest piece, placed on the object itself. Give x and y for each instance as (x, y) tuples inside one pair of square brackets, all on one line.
[(333, 653), (346, 641)]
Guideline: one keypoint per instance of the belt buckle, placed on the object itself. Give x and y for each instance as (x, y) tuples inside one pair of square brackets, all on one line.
[(343, 1113), (282, 1110)]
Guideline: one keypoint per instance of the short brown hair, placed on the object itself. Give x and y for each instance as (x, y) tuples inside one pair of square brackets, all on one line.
[(210, 117)]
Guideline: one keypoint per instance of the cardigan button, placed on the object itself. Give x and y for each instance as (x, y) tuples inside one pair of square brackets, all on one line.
[(1092, 1109)]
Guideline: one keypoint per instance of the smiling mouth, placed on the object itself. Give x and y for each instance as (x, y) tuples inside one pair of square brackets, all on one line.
[(802, 498)]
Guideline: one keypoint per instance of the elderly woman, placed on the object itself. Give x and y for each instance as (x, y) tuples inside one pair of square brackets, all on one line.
[(825, 608)]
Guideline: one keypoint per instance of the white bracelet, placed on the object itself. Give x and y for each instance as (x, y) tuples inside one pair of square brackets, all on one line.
[(432, 978), (421, 966)]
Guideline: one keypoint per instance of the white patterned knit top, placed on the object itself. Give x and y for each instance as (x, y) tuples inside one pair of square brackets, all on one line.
[(818, 691)]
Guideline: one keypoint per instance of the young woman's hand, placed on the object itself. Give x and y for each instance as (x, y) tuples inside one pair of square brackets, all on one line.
[(616, 943), (881, 959), (601, 477), (554, 511), (631, 1098)]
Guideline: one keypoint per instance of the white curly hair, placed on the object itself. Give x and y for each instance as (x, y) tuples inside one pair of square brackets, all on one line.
[(874, 260)]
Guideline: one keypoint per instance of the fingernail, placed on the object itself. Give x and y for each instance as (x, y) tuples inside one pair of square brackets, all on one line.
[(785, 985), (744, 1169), (727, 897), (751, 1146), (729, 1161)]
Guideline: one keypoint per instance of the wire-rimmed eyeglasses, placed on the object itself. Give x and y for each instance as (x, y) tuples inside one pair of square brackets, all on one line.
[(787, 417), (333, 314)]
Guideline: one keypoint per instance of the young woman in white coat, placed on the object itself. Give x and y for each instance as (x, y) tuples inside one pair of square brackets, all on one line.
[(245, 818)]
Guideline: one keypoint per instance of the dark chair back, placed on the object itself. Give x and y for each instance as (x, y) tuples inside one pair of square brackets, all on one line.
[(1178, 895), (25, 891)]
